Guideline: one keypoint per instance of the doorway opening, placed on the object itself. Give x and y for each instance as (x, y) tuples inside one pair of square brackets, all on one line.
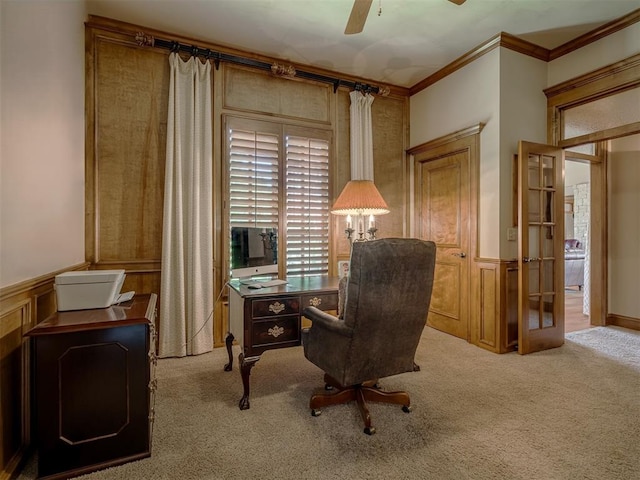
[(577, 218)]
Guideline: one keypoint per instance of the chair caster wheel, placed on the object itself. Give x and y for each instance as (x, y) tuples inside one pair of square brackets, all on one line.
[(369, 430), (407, 408), (315, 412)]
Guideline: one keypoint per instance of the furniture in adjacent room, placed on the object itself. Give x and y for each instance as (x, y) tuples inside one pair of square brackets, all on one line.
[(94, 387), (574, 257), (388, 295), (268, 318)]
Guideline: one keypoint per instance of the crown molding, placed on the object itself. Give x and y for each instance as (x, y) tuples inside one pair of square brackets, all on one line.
[(502, 39), (131, 32), (519, 45), (595, 34), (616, 69)]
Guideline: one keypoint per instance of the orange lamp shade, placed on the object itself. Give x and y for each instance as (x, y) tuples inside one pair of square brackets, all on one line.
[(360, 197)]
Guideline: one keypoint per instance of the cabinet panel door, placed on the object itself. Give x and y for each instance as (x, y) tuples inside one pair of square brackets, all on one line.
[(92, 397)]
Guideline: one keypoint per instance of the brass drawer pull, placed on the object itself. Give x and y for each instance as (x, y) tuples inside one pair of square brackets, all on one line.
[(276, 307), (315, 302), (276, 331)]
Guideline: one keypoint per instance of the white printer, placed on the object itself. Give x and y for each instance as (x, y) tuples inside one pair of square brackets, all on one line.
[(89, 289)]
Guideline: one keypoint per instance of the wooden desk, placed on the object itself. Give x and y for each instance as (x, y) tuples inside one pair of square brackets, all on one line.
[(94, 382), (269, 318)]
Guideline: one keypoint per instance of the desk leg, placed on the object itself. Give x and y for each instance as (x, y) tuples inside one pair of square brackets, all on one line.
[(246, 364), (229, 342)]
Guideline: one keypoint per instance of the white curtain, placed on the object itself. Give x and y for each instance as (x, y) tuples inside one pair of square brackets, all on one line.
[(186, 292), (361, 136)]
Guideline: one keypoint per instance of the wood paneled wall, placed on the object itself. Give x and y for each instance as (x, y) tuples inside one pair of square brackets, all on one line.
[(126, 110), (126, 103), (22, 306), (126, 98), (494, 306)]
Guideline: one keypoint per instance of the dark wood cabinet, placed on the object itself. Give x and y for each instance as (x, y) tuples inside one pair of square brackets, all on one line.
[(94, 386)]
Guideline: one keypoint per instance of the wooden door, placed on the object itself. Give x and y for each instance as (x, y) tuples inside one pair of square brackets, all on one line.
[(443, 216), (540, 247)]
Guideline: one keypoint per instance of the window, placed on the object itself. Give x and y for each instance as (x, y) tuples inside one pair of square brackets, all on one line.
[(253, 178), (278, 176), (307, 184)]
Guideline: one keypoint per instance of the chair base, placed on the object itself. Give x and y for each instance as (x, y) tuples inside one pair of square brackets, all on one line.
[(367, 391)]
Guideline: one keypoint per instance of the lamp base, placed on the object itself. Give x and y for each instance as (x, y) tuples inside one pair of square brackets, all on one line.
[(361, 235)]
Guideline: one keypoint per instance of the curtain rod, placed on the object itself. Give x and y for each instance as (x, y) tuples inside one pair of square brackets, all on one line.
[(145, 40)]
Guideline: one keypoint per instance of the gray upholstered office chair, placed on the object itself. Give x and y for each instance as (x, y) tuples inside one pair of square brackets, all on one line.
[(388, 296)]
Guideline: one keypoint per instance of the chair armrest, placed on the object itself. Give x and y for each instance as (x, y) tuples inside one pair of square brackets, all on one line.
[(326, 321)]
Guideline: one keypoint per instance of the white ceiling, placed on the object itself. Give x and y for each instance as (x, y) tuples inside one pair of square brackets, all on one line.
[(409, 41)]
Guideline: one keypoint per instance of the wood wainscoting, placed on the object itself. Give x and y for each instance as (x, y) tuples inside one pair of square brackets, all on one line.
[(22, 306), (494, 306), (494, 311)]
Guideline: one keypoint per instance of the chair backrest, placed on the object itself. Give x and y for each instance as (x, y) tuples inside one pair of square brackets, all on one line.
[(388, 296)]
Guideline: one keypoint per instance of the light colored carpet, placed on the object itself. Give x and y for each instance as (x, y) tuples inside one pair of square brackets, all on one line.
[(568, 413)]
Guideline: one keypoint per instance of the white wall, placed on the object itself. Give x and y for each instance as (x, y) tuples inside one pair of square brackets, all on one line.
[(624, 226), (41, 137), (523, 116), (503, 89), (465, 98)]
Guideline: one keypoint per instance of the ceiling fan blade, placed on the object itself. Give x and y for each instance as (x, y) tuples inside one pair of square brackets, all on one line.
[(358, 16), (458, 2)]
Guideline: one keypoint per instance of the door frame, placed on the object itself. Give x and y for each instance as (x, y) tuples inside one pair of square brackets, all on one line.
[(473, 144), (608, 80)]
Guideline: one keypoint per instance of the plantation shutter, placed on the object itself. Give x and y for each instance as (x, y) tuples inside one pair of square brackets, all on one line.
[(253, 178), (278, 176), (307, 206)]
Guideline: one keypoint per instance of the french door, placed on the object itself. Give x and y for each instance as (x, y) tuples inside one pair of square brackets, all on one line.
[(540, 247)]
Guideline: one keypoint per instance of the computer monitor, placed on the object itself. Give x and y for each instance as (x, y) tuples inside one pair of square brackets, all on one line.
[(254, 252)]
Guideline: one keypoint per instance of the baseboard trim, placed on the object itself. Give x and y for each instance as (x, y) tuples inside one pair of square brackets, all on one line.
[(622, 321)]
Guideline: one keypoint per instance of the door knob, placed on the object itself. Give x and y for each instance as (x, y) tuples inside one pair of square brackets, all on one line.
[(461, 255)]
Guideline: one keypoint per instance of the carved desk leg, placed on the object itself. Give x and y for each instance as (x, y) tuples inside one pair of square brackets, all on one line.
[(246, 364), (229, 342)]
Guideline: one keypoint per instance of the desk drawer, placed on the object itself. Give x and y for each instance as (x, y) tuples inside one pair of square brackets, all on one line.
[(276, 330), (323, 301), (275, 307)]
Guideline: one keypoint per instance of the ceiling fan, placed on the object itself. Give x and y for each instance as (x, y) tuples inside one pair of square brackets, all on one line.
[(359, 13)]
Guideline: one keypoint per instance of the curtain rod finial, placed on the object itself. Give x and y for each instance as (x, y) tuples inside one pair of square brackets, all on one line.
[(283, 70), (144, 40)]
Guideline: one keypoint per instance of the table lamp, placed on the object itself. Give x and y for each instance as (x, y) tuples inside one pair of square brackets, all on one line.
[(358, 200)]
